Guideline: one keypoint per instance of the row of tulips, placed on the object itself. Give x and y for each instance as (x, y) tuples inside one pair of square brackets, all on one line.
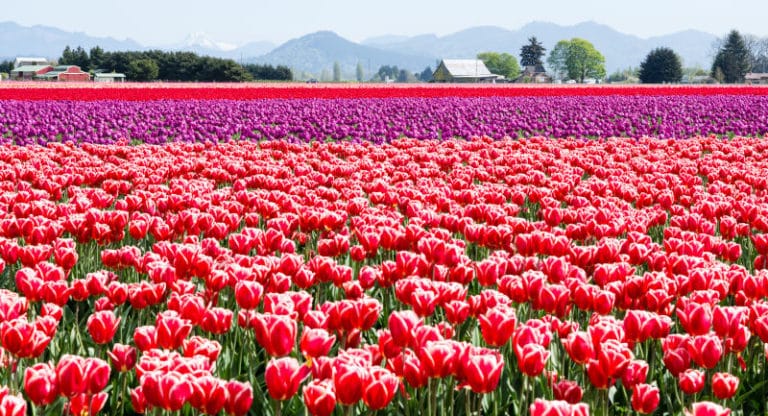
[(251, 91), (478, 277), (382, 120)]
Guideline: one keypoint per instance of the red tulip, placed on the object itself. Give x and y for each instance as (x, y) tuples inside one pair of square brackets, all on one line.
[(402, 325), (724, 385), (123, 357), (209, 394), (319, 397), (695, 318), (532, 359), (86, 404), (138, 401), (456, 311), (16, 335), (380, 389), (316, 342), (636, 373), (542, 407), (239, 398), (483, 372), (707, 409), (349, 381), (567, 390), (579, 347), (706, 350), (12, 405), (676, 360), (96, 374), (645, 398), (497, 325), (40, 384), (102, 326), (413, 370), (70, 375), (166, 390), (614, 358), (248, 294), (283, 377), (171, 330), (691, 381), (439, 358), (275, 333), (216, 320), (145, 338)]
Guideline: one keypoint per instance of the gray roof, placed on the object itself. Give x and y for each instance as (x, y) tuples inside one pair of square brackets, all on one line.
[(756, 75), (467, 68), (109, 75), (29, 68)]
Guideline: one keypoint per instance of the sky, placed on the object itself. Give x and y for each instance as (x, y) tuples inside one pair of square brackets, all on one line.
[(166, 22)]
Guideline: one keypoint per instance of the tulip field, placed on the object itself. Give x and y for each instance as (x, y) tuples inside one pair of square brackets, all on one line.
[(185, 250)]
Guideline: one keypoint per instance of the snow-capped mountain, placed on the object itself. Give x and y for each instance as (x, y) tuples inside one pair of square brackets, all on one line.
[(204, 41)]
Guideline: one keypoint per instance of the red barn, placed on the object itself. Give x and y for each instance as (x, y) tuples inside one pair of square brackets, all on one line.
[(27, 72), (66, 73)]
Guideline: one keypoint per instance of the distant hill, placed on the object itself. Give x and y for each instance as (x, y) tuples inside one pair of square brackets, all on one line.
[(318, 51), (49, 42), (620, 50)]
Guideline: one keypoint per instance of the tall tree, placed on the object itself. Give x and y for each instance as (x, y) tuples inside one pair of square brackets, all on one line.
[(733, 59), (662, 65), (531, 54), (336, 72), (578, 58), (359, 72), (500, 64)]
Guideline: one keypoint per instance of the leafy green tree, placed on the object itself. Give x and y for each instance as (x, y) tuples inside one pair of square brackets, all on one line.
[(325, 75), (500, 64), (387, 72), (336, 72), (578, 59), (531, 54), (359, 72), (557, 59), (662, 65), (733, 59), (142, 70)]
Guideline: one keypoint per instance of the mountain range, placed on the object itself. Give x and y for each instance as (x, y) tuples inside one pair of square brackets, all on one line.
[(317, 52)]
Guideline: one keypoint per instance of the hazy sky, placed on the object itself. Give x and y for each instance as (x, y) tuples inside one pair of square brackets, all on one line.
[(158, 22)]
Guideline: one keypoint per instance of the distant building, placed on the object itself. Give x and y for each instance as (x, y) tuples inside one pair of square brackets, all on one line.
[(28, 72), (463, 70), (29, 61), (109, 77), (67, 73), (535, 74), (756, 78)]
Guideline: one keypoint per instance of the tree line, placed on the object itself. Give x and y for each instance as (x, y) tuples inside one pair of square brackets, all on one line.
[(170, 66)]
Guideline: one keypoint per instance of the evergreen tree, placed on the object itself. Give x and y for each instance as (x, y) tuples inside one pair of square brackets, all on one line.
[(733, 59), (426, 74), (662, 65), (359, 72), (336, 72), (96, 56), (531, 54)]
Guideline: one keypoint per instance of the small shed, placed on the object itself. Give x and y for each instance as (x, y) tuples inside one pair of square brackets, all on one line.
[(753, 78), (109, 77), (67, 73), (463, 70), (28, 72), (29, 61), (535, 74)]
